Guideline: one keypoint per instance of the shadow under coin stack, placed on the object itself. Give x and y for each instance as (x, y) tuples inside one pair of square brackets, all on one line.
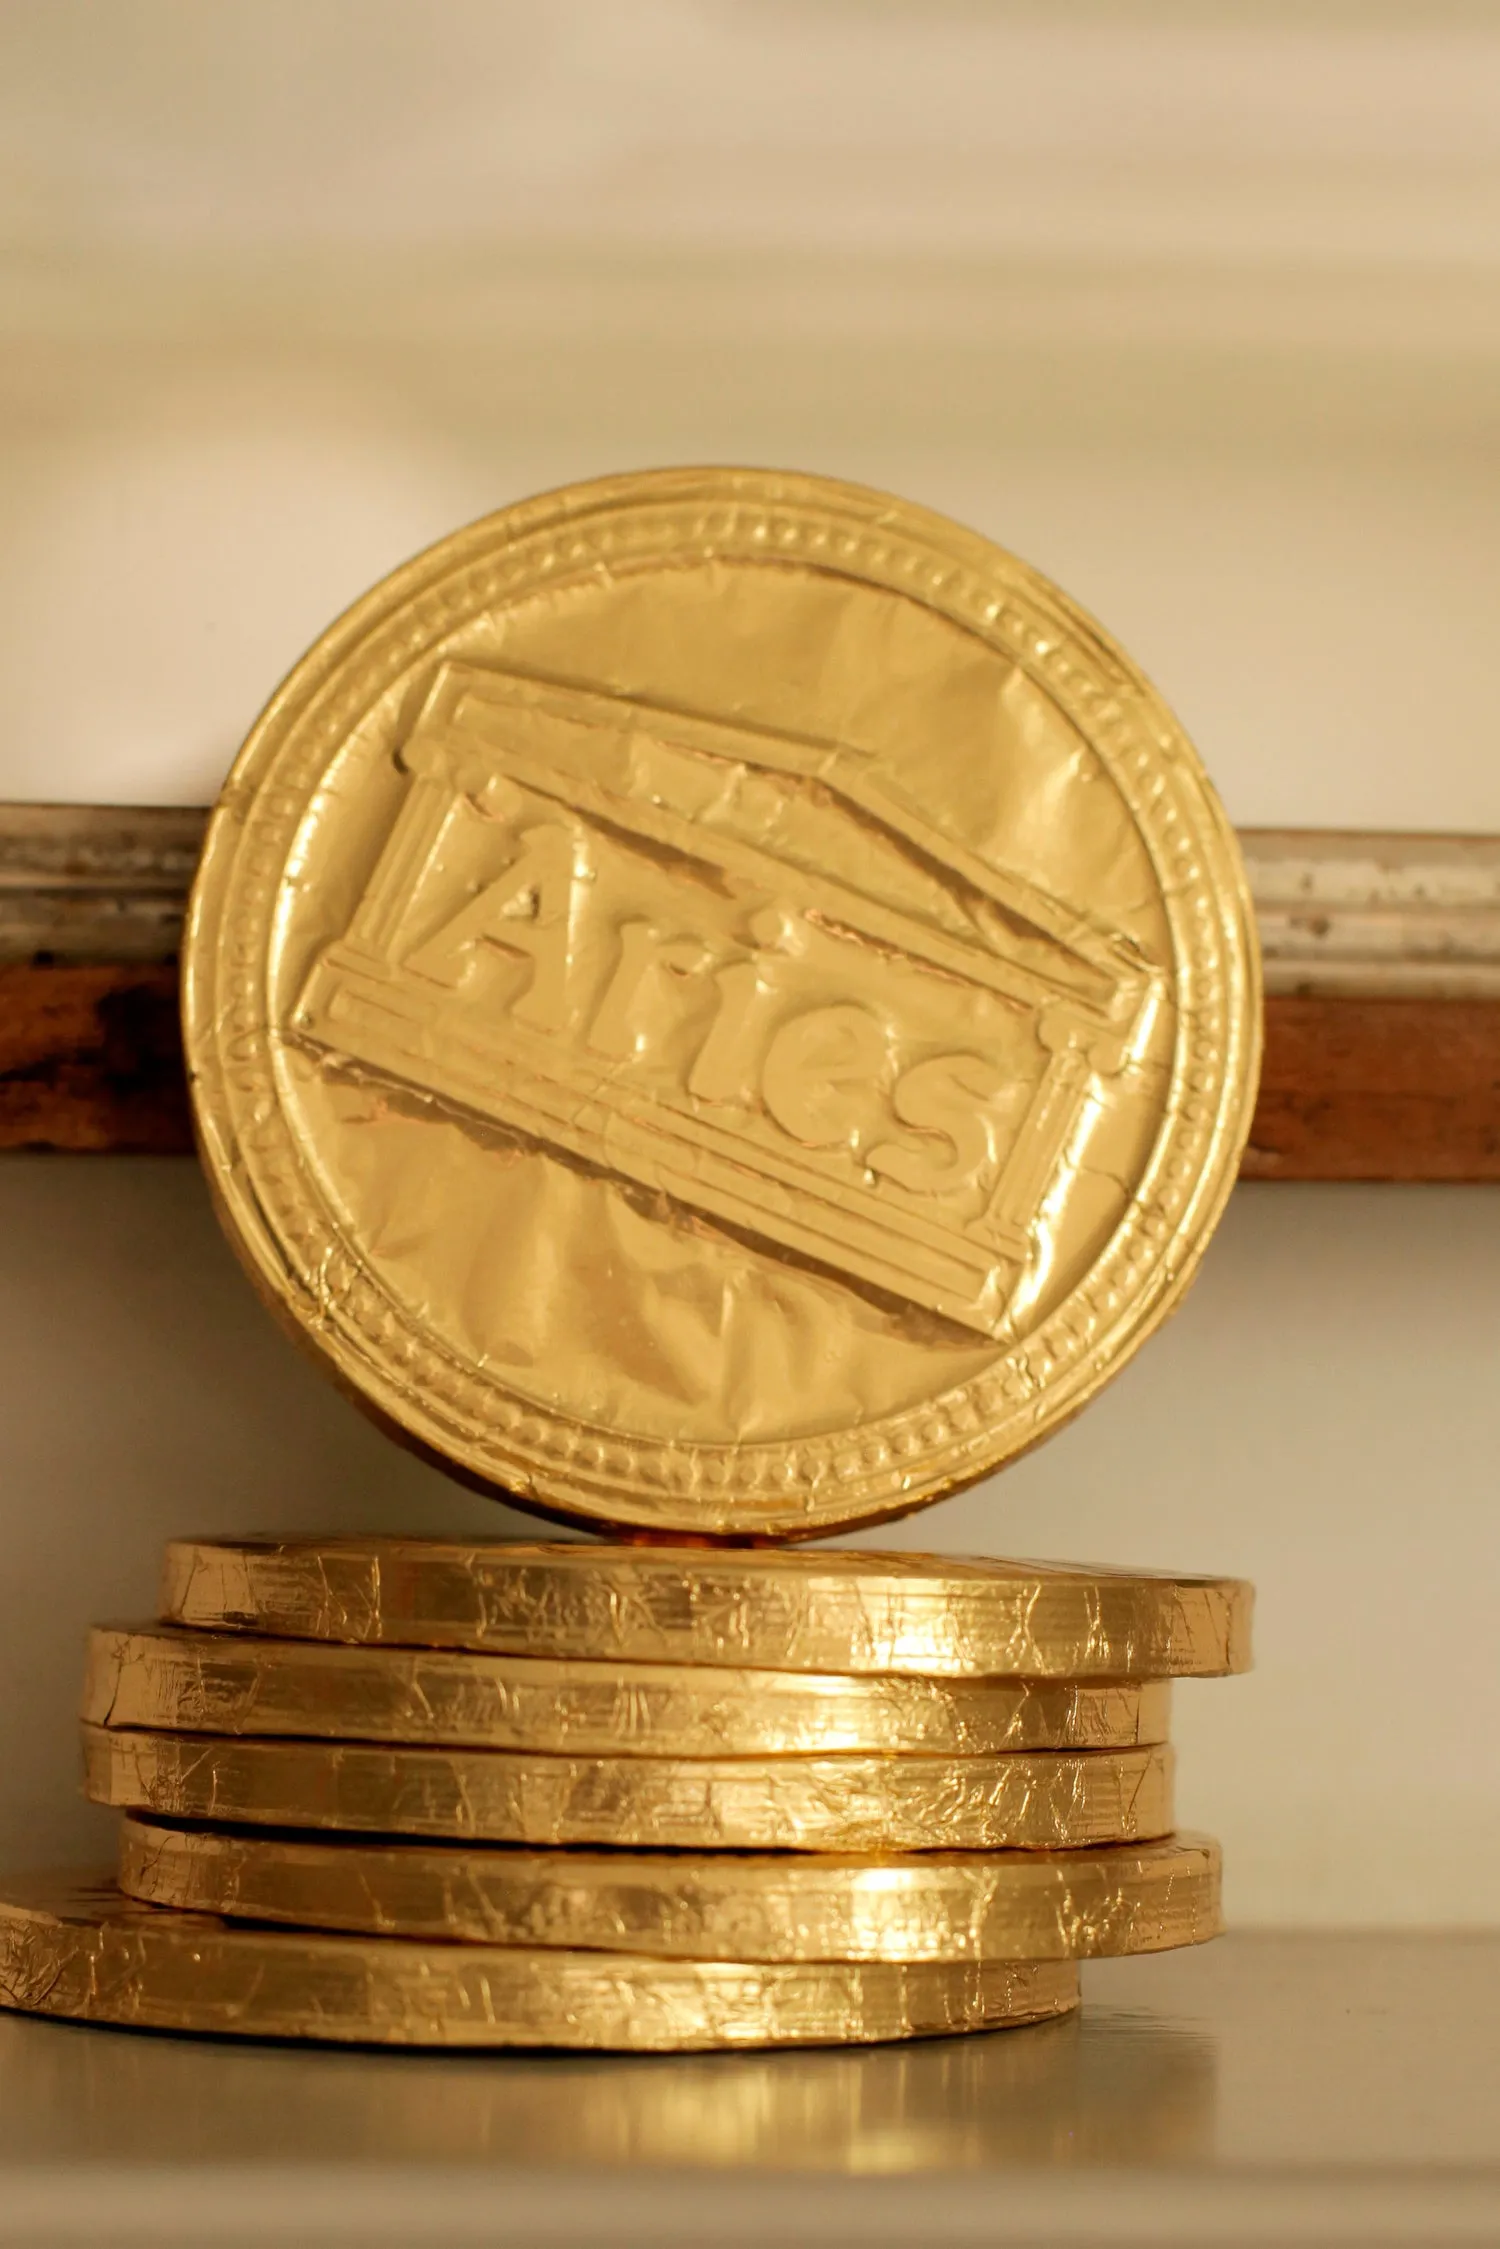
[(722, 1009)]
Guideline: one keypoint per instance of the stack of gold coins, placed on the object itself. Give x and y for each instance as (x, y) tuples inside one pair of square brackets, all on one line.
[(722, 1009), (625, 1796)]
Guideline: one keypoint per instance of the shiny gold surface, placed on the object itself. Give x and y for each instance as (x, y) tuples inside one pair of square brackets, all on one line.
[(215, 1683), (1028, 1800), (833, 1609), (719, 1001), (73, 1947), (728, 1906)]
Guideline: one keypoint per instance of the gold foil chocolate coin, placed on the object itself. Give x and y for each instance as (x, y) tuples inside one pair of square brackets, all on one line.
[(1028, 1800), (218, 1683), (720, 1002), (992, 1905), (799, 1609), (77, 1950)]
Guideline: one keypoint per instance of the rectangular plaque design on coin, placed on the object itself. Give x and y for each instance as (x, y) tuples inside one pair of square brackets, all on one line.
[(609, 928)]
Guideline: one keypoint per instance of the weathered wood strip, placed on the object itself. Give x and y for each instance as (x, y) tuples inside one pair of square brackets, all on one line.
[(1382, 970)]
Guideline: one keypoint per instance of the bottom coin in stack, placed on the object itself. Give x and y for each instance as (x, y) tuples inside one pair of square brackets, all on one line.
[(74, 1948), (1026, 1799), (1021, 1905)]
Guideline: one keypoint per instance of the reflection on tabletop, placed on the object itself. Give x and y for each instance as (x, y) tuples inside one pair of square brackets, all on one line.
[(1110, 2085), (1268, 2049)]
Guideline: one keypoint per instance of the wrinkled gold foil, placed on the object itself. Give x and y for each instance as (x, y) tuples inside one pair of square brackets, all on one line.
[(934, 1906), (830, 1609), (719, 1002), (76, 1949), (1028, 1800), (211, 1683)]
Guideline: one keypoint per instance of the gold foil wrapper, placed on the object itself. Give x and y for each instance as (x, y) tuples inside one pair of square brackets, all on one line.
[(719, 1002), (1028, 1800), (202, 1682), (75, 1949), (729, 1906), (825, 1610)]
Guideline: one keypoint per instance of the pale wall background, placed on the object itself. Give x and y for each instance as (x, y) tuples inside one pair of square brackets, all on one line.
[(1197, 306)]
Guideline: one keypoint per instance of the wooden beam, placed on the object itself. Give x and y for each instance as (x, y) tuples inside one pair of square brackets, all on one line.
[(1361, 1087), (95, 882), (1344, 915), (1382, 1017), (91, 1058)]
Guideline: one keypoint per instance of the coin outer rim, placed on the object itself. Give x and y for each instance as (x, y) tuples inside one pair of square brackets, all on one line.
[(421, 1388), (111, 1960), (802, 1803), (178, 1679), (693, 1905), (772, 1609)]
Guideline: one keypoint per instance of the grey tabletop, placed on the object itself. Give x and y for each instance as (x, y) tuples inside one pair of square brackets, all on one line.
[(1287, 2088)]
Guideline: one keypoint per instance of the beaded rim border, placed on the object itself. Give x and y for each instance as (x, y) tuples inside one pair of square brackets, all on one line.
[(470, 1421)]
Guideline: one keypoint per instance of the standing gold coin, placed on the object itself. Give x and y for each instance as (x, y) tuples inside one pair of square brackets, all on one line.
[(1031, 1800), (216, 1683), (831, 1609), (720, 1002), (76, 1949), (991, 1905)]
